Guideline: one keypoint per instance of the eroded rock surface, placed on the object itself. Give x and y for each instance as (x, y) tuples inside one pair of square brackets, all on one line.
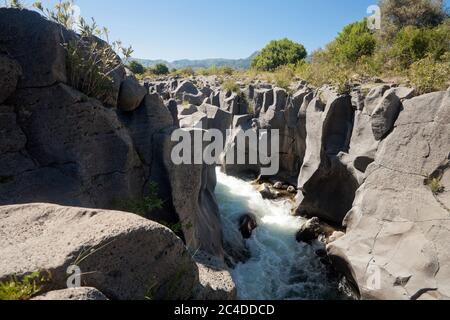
[(122, 255), (398, 229)]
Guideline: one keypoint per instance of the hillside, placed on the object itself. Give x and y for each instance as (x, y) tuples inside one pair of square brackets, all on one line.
[(198, 64)]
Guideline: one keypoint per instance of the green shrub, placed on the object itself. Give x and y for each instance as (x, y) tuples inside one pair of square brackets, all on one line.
[(185, 72), (16, 4), (284, 76), (429, 75), (22, 289), (435, 186), (144, 206), (411, 44), (159, 69), (232, 86), (136, 67), (91, 58), (353, 42), (322, 70), (279, 53)]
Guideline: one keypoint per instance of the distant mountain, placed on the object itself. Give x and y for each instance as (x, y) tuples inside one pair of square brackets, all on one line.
[(198, 64)]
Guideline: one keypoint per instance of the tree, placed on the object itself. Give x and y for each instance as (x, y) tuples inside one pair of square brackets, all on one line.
[(136, 67), (397, 14), (279, 53), (353, 42), (160, 69)]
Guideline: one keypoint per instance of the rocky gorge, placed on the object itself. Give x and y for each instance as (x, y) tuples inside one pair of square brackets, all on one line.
[(370, 168)]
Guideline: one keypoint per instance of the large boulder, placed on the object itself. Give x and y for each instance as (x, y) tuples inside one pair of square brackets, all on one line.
[(10, 72), (311, 230), (229, 159), (396, 245), (131, 94), (36, 44), (122, 255), (247, 223), (374, 98), (60, 146), (186, 87), (74, 294), (328, 188), (218, 119), (385, 115)]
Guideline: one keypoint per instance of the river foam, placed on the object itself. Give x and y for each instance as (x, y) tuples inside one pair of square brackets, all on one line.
[(280, 268)]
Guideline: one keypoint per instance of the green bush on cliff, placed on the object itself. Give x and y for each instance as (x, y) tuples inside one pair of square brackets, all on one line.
[(92, 60), (231, 86)]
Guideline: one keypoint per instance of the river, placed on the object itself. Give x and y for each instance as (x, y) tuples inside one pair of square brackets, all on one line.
[(280, 268)]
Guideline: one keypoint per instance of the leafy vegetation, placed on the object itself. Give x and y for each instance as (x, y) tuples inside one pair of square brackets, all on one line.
[(428, 75), (435, 186), (143, 206), (283, 77), (214, 70), (136, 67), (279, 53), (232, 86), (91, 58), (185, 72), (352, 43), (22, 289), (159, 69)]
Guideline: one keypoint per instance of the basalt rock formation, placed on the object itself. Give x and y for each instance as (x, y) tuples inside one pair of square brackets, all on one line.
[(59, 146), (375, 164)]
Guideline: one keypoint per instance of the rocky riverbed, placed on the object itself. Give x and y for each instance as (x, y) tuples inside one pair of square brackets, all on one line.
[(375, 165)]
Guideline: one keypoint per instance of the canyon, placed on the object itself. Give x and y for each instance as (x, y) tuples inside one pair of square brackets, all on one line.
[(373, 165)]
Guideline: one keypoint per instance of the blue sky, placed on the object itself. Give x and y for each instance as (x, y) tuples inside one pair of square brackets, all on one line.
[(198, 29)]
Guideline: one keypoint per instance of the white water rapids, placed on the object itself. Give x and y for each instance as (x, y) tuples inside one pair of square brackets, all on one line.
[(280, 268)]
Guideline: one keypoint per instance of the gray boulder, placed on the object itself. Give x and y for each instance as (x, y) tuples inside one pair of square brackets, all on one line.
[(385, 115), (35, 43), (122, 255), (173, 108), (75, 294), (186, 110), (10, 72), (183, 88), (229, 158), (374, 98), (218, 119), (329, 130), (311, 230), (192, 196), (404, 93), (131, 94), (247, 223), (69, 143)]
